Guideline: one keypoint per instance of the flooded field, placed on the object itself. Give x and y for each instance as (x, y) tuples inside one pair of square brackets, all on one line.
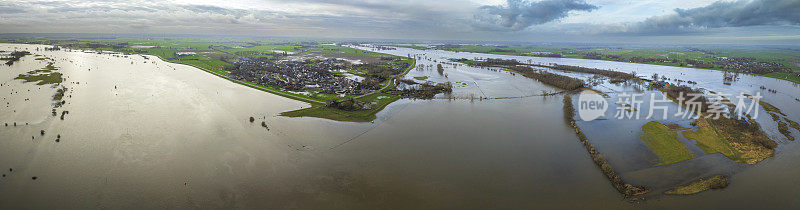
[(144, 133)]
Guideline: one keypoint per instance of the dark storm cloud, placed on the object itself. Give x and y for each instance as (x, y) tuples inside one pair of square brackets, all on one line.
[(720, 14), (520, 14)]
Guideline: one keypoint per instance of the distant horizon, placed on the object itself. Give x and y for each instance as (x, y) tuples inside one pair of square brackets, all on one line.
[(747, 22), (373, 40)]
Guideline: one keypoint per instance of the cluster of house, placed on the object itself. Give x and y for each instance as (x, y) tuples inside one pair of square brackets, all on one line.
[(298, 75), (747, 64)]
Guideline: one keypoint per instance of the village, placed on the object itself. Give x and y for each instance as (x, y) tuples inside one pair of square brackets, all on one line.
[(320, 75)]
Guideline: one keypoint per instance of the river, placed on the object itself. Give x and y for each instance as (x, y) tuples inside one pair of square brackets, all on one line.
[(144, 133)]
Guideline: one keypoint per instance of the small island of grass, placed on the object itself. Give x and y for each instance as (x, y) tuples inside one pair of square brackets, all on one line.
[(716, 182), (43, 76)]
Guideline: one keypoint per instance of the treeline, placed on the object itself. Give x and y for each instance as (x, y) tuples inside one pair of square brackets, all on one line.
[(503, 50), (514, 64), (688, 94), (499, 62), (608, 73), (592, 55), (379, 72), (425, 90), (625, 189), (549, 55), (348, 104), (556, 80), (652, 60)]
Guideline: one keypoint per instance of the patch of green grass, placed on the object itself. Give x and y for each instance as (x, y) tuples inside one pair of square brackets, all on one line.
[(710, 141), (43, 79), (716, 182), (664, 142), (381, 100), (784, 76), (421, 78)]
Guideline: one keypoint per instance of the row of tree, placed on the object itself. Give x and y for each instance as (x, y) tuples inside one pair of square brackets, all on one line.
[(608, 73), (556, 80)]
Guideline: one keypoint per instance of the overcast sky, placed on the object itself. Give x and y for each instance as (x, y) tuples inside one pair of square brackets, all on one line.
[(639, 21)]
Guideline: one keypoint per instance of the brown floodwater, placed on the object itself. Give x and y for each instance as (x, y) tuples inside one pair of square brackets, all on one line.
[(144, 133)]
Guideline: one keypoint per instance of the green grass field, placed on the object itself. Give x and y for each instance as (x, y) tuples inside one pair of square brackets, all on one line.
[(785, 76), (664, 143), (381, 100), (710, 141)]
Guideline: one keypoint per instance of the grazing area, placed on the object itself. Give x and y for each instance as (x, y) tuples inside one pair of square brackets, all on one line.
[(664, 142), (710, 141)]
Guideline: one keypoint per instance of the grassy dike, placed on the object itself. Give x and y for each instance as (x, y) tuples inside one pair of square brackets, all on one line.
[(626, 190)]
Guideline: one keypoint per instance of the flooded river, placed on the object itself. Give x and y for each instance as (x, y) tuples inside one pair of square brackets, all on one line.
[(144, 133)]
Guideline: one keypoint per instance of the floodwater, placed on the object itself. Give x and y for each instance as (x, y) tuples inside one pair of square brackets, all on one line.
[(144, 133)]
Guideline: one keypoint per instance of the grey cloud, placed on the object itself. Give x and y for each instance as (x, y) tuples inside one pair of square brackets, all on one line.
[(521, 14), (349, 19), (10, 10), (718, 15)]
